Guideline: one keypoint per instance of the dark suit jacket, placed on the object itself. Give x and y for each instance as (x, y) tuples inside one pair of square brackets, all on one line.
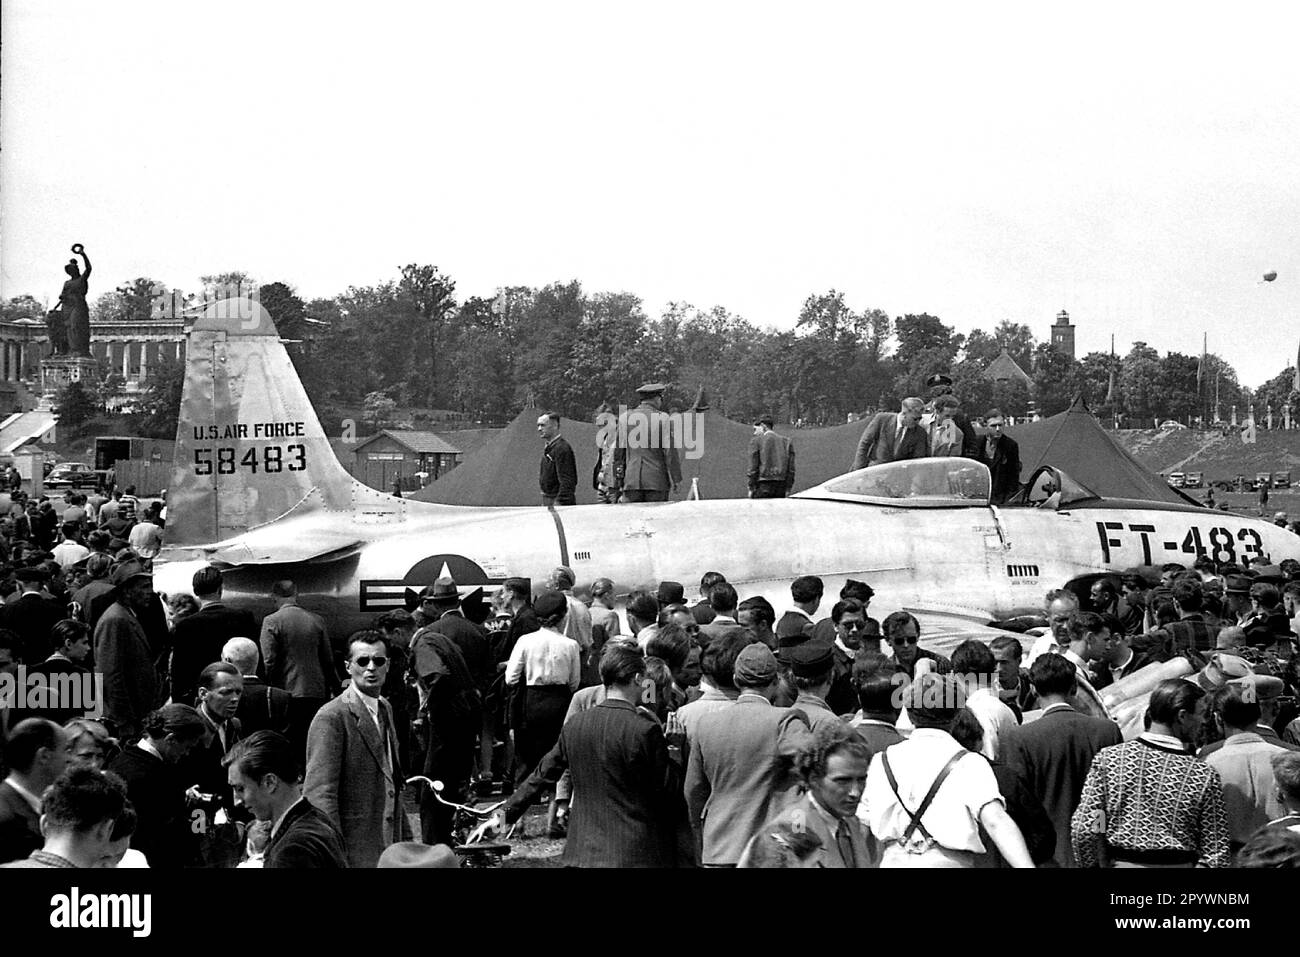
[(123, 654), (1102, 678), (297, 653), (346, 780), (197, 642), (558, 476), (62, 690), (32, 617), (627, 804), (793, 625), (262, 708), (473, 643), (305, 838), (1053, 755), (162, 833), (1005, 466), (879, 438), (20, 830)]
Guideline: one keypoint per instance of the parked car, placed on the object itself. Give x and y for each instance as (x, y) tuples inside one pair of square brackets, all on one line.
[(1176, 479), (1194, 480), (1169, 425), (71, 475), (1281, 479)]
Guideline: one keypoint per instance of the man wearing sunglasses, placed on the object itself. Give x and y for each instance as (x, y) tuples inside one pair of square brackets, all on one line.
[(354, 775), (903, 632), (1001, 453)]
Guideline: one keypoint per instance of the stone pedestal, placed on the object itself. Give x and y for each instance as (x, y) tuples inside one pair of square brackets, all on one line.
[(58, 371)]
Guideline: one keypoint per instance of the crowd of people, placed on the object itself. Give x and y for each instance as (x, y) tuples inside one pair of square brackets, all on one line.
[(716, 732)]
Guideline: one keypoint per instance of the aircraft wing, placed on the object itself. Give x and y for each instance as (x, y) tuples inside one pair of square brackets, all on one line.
[(313, 548), (942, 630)]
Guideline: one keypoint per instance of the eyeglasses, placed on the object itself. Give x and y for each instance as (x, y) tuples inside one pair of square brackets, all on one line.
[(854, 625), (364, 661), (905, 640)]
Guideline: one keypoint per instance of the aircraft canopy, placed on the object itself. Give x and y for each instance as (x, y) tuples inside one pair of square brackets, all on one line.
[(915, 483)]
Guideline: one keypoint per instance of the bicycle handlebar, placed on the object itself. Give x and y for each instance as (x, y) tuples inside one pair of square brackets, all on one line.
[(477, 812)]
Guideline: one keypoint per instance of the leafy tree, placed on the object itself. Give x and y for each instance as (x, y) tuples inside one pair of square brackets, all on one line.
[(925, 346), (161, 403), (74, 405), (433, 297), (1177, 387), (140, 297), (285, 309), (109, 307), (22, 307), (1016, 338), (1056, 380), (1275, 393), (379, 409), (1139, 375)]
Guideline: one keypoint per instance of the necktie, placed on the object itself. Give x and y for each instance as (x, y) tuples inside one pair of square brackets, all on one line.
[(845, 844), (898, 439)]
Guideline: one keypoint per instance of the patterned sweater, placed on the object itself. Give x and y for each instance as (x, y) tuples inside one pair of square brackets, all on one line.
[(1150, 797)]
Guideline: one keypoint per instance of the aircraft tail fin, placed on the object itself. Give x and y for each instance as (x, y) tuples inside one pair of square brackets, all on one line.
[(249, 447)]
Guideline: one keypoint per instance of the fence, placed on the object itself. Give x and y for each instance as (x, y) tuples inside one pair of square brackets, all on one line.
[(148, 476)]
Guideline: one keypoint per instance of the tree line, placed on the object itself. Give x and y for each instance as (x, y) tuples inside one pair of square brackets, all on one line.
[(411, 342)]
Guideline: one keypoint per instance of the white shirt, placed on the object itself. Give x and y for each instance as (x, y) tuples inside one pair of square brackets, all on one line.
[(545, 657), (953, 817), (994, 717), (372, 707), (69, 553), (144, 744)]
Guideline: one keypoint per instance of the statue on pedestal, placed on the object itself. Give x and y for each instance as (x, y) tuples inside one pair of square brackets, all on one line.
[(73, 305)]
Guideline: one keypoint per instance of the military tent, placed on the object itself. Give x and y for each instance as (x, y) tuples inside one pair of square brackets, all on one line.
[(1074, 442)]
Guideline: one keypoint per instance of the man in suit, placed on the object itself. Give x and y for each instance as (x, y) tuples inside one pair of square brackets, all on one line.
[(35, 754), (65, 675), (894, 436), (723, 600), (199, 638), (1119, 660), (771, 461), (298, 658), (1001, 453), (353, 773), (559, 470), (263, 773), (939, 386), (123, 653), (32, 616), (1053, 754), (627, 807), (646, 461), (877, 681), (261, 707), (738, 776), (834, 769), (797, 624)]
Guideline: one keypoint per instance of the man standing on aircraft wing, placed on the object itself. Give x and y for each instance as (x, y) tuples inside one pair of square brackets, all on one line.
[(559, 472), (1001, 453), (646, 462)]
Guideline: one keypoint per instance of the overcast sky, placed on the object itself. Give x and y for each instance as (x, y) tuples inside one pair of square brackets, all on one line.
[(977, 161)]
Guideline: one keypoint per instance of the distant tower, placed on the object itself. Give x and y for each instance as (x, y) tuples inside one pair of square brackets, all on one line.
[(1063, 334)]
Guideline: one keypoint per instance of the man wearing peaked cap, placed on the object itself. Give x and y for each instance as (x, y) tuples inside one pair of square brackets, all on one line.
[(812, 664), (647, 466), (938, 386)]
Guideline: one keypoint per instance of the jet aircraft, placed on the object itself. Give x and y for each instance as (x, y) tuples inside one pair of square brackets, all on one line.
[(257, 490)]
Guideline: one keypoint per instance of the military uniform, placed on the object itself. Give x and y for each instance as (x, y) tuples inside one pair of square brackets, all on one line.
[(646, 462)]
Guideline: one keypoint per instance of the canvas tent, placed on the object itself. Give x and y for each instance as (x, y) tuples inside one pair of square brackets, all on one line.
[(1074, 442)]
